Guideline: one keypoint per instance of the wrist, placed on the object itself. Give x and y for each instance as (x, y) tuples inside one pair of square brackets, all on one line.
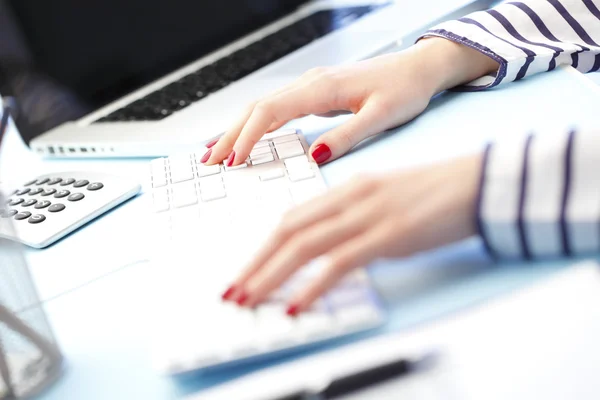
[(446, 64)]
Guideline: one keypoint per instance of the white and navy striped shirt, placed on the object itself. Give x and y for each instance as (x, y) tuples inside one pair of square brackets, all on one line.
[(539, 197)]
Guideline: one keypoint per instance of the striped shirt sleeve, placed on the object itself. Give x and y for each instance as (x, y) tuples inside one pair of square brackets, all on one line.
[(529, 36), (540, 196)]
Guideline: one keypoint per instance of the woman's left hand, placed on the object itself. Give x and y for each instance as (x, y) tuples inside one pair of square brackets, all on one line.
[(393, 215)]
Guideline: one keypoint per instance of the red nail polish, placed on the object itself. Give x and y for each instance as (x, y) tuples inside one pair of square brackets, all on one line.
[(321, 153), (292, 310), (206, 156), (211, 143), (231, 158), (242, 298), (228, 293)]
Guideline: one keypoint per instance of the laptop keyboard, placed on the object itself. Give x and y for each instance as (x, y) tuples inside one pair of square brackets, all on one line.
[(208, 221), (209, 79)]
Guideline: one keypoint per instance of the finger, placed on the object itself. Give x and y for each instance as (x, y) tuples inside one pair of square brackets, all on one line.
[(312, 212), (280, 108), (354, 253), (305, 246), (333, 114), (223, 147), (338, 141)]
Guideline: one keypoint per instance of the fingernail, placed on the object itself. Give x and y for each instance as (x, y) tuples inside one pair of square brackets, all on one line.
[(292, 310), (211, 143), (228, 293), (231, 158), (321, 153), (206, 156), (242, 298)]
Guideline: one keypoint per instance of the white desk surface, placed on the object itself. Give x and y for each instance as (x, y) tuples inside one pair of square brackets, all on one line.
[(102, 326)]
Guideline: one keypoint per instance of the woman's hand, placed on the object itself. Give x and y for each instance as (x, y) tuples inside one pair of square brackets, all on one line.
[(394, 215), (382, 92)]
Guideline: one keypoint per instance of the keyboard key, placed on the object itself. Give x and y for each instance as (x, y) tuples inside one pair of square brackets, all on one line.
[(289, 149), (261, 144), (48, 192), (262, 159), (160, 200), (22, 215), (76, 197), (158, 172), (316, 325), (42, 204), (358, 316), (181, 169), (285, 139), (272, 174), (95, 186), (233, 168), (23, 191), (36, 219), (54, 181), (28, 203), (184, 195), (15, 202), (67, 182), (61, 193), (211, 188), (81, 183), (275, 329), (207, 170), (35, 191), (42, 181), (256, 152), (56, 207), (300, 174)]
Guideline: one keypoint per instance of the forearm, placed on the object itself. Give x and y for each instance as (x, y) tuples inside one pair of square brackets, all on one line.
[(529, 36), (540, 196)]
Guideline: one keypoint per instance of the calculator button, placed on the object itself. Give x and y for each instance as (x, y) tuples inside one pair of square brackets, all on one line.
[(35, 191), (81, 183), (48, 192), (54, 181), (67, 182), (15, 202), (42, 204), (42, 181), (95, 186), (36, 219), (23, 191), (56, 207), (7, 213), (29, 202), (31, 182), (76, 197), (23, 215), (62, 193)]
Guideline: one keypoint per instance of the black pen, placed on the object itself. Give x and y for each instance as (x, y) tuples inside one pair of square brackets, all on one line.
[(362, 379)]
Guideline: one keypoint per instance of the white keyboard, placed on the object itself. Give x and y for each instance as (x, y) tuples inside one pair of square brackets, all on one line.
[(208, 222)]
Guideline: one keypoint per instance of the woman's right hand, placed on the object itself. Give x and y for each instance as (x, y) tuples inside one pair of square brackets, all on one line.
[(382, 92)]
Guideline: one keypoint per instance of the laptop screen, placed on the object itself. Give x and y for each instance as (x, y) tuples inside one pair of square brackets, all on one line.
[(89, 53)]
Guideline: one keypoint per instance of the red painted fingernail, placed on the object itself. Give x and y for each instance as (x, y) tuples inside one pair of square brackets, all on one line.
[(321, 153), (242, 298), (228, 293), (231, 158), (206, 156), (211, 143), (292, 310)]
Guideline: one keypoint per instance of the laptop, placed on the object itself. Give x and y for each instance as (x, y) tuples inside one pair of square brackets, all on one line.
[(138, 78)]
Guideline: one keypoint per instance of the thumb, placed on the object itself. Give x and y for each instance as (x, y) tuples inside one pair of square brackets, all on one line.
[(338, 141)]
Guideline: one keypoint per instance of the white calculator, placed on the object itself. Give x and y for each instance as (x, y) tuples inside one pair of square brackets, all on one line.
[(46, 208)]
